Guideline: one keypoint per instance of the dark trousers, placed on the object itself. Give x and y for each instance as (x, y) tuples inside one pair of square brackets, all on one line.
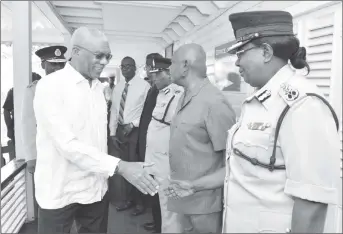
[(120, 189), (90, 218), (156, 212)]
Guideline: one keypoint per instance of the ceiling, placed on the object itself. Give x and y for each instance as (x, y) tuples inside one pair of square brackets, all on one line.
[(136, 28)]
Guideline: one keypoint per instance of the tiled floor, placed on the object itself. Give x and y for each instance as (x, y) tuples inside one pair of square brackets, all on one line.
[(119, 222)]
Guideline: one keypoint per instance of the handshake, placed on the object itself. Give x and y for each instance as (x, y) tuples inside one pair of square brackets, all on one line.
[(135, 173)]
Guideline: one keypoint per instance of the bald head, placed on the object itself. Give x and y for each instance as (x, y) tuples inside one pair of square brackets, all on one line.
[(194, 56), (90, 52), (88, 38)]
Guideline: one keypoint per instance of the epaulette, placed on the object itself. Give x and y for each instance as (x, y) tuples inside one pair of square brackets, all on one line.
[(166, 91), (290, 94), (32, 84)]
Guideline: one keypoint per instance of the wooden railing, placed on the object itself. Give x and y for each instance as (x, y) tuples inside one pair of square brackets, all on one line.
[(13, 196)]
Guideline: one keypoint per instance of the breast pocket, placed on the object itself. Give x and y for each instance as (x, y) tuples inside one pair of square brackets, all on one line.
[(257, 145), (196, 131)]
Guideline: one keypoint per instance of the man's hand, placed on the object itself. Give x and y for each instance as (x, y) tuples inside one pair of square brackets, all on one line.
[(128, 129), (177, 189), (115, 142), (134, 173)]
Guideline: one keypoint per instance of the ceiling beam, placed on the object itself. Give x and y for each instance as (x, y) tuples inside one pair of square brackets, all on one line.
[(77, 12), (157, 4), (133, 34), (77, 4), (180, 31), (171, 33), (82, 20), (205, 7), (185, 22), (77, 25), (53, 16), (194, 15)]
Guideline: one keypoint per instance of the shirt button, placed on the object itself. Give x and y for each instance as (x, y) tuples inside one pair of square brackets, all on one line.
[(288, 230)]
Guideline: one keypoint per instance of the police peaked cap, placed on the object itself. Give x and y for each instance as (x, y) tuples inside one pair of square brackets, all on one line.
[(255, 24), (53, 54), (159, 64)]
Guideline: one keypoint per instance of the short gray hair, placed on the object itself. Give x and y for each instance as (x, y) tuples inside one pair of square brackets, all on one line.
[(83, 34)]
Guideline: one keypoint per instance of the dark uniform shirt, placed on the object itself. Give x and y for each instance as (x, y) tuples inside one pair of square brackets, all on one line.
[(149, 105), (9, 106)]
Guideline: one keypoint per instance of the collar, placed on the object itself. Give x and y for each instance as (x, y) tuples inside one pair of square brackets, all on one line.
[(196, 89), (273, 85), (76, 76), (167, 89), (132, 80)]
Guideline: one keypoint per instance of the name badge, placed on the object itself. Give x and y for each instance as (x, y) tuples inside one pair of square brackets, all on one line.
[(258, 126)]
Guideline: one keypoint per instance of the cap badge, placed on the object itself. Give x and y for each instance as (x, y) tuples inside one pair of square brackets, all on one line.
[(58, 52)]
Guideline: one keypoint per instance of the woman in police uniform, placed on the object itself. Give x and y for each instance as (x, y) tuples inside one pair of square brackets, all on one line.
[(282, 160)]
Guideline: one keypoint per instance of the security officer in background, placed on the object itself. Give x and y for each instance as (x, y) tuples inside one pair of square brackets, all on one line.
[(283, 155), (157, 146), (52, 60)]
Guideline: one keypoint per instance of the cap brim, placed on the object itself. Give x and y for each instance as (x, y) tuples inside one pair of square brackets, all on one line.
[(233, 49), (56, 60)]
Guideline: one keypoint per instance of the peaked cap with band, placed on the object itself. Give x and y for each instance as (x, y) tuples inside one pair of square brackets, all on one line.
[(160, 64), (52, 54), (256, 24)]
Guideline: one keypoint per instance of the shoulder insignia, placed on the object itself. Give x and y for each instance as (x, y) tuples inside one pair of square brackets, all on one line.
[(166, 91), (289, 93), (264, 96)]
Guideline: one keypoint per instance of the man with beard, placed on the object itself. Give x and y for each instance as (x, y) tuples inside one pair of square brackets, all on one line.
[(127, 104)]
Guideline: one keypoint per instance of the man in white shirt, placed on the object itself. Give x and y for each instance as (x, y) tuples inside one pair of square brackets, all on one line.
[(127, 105), (72, 165)]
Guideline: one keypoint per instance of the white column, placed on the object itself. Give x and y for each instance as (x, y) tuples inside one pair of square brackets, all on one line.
[(67, 38), (22, 46), (22, 54)]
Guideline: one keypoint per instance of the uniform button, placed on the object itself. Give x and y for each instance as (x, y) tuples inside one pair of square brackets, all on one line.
[(288, 230)]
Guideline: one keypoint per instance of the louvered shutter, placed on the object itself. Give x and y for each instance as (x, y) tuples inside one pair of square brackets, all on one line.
[(319, 41)]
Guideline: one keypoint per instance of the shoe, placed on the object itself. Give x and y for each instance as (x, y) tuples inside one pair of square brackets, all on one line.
[(149, 226), (125, 206), (138, 210)]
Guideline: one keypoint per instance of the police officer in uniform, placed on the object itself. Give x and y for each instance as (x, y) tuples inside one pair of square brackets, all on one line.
[(52, 59), (282, 157), (157, 147)]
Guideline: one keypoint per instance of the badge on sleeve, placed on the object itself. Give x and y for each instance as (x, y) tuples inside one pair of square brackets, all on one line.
[(290, 93)]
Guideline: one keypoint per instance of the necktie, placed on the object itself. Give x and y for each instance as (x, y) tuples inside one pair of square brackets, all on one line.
[(122, 104)]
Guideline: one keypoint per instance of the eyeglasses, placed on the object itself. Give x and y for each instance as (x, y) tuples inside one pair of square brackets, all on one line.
[(98, 56), (241, 52), (127, 66)]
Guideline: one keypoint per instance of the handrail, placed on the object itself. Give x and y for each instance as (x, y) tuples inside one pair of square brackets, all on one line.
[(13, 196), (10, 170)]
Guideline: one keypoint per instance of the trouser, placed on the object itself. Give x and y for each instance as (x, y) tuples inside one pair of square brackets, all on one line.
[(90, 218), (201, 223), (168, 218), (156, 211), (119, 187)]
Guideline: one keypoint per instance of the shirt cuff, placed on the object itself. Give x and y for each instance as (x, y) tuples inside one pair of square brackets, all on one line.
[(311, 192), (111, 164), (135, 123)]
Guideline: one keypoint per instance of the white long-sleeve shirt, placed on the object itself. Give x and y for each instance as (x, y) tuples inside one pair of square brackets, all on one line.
[(137, 92), (72, 161)]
